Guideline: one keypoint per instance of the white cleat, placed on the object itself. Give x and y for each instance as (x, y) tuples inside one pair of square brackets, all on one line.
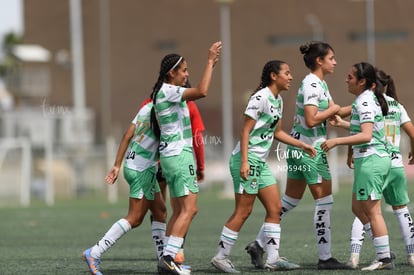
[(380, 265), (353, 262), (281, 264), (410, 259), (224, 265)]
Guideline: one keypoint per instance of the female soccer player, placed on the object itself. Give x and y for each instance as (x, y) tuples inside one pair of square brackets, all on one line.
[(140, 168), (251, 174), (395, 193), (314, 105), (372, 161), (171, 121)]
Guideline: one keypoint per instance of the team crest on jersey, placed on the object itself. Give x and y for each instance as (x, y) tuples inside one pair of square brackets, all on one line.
[(253, 184), (162, 145)]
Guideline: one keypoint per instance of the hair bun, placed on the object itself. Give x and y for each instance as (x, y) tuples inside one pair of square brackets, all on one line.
[(304, 49)]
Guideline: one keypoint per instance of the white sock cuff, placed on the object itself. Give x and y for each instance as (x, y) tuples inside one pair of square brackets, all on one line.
[(271, 229), (271, 225), (381, 240), (159, 225), (228, 231), (292, 202), (325, 200), (176, 240), (401, 210), (124, 225), (229, 234)]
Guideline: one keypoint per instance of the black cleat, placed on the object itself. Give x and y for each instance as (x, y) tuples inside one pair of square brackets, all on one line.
[(166, 265), (331, 263), (392, 254), (256, 254)]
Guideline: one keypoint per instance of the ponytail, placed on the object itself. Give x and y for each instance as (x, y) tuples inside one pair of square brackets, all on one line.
[(367, 71), (169, 63), (382, 102), (385, 81)]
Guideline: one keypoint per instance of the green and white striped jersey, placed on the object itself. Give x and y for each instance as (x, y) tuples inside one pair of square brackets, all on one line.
[(312, 91), (397, 116), (266, 110), (367, 109), (143, 149), (174, 120)]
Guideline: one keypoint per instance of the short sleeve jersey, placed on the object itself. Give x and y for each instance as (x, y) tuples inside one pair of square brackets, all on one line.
[(367, 109), (315, 92), (266, 110), (396, 117), (143, 149), (174, 120)]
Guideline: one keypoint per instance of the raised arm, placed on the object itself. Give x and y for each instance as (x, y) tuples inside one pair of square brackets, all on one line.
[(201, 90)]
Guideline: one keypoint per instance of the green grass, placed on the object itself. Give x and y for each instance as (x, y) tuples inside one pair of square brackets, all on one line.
[(50, 240)]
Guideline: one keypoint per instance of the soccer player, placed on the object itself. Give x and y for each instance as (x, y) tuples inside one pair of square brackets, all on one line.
[(171, 121), (251, 174), (372, 161), (314, 105), (140, 168), (395, 193), (197, 128)]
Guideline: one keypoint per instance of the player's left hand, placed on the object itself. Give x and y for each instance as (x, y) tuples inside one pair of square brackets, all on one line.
[(200, 175)]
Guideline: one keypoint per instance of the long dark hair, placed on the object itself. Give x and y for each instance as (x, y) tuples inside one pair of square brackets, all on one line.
[(272, 66), (385, 83), (366, 71), (168, 63), (312, 50)]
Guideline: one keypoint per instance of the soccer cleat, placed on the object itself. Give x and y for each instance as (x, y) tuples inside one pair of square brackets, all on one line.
[(224, 265), (187, 267), (382, 264), (353, 261), (179, 257), (93, 263), (166, 265), (281, 264), (331, 263), (256, 254), (392, 255), (410, 259)]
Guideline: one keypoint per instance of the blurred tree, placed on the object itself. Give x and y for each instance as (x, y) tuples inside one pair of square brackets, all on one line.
[(9, 63)]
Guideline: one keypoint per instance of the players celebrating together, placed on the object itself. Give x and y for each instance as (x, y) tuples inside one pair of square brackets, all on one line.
[(157, 149)]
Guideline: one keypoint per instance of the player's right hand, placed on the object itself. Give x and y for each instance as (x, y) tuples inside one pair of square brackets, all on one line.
[(112, 175)]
